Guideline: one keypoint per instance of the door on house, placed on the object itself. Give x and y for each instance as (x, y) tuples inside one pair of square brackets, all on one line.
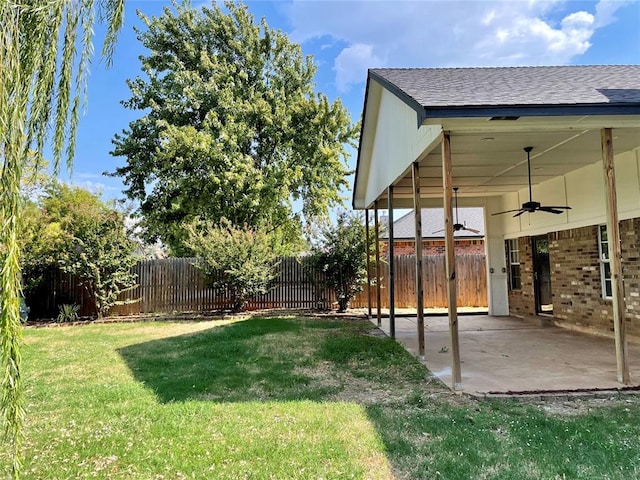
[(542, 275)]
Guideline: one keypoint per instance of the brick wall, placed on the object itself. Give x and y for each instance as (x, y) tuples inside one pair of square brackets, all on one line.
[(575, 279), (576, 282), (630, 243), (436, 247)]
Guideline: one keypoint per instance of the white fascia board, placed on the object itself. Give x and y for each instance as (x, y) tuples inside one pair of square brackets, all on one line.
[(533, 124), (397, 143), (370, 122)]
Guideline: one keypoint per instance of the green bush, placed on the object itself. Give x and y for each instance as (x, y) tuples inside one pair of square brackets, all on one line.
[(73, 229), (241, 261), (339, 257)]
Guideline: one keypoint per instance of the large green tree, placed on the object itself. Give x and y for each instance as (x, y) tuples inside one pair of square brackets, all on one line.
[(231, 126), (42, 85)]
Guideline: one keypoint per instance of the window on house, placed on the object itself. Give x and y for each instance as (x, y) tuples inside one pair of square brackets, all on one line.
[(513, 263), (605, 264)]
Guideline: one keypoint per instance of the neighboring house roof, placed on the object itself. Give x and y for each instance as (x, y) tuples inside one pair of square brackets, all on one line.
[(442, 89), (433, 221)]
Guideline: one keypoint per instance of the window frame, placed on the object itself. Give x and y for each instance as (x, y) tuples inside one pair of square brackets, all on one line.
[(605, 263), (512, 247)]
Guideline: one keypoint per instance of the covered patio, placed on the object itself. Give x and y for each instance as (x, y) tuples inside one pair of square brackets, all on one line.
[(508, 355), (552, 154)]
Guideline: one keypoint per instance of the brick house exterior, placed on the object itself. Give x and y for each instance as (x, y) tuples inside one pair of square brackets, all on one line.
[(550, 153), (471, 246), (466, 242), (578, 296)]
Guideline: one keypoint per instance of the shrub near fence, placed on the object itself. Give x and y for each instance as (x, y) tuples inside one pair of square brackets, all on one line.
[(175, 285)]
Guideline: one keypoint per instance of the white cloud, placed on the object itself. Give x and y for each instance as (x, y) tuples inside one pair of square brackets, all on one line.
[(97, 188), (606, 10), (449, 33), (89, 176), (98, 184), (352, 63), (534, 41)]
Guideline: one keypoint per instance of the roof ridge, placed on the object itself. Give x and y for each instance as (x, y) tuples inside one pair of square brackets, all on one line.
[(508, 67)]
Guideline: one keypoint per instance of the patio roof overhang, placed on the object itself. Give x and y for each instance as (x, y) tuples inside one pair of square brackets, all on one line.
[(416, 146), (487, 144)]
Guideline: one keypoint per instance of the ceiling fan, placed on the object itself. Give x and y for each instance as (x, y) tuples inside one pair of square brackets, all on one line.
[(459, 226), (532, 206)]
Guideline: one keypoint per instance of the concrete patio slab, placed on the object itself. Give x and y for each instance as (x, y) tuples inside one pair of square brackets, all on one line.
[(506, 354)]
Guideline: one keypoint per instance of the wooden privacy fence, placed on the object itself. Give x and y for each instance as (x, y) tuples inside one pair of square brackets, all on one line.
[(176, 285), (471, 274)]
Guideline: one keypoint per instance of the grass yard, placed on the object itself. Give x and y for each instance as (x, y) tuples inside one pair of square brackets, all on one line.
[(290, 398)]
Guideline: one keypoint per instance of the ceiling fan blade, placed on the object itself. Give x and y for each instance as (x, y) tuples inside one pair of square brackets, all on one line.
[(507, 211), (550, 210), (556, 207), (437, 231), (519, 213), (472, 230)]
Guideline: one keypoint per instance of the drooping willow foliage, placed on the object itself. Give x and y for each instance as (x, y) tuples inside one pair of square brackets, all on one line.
[(42, 91)]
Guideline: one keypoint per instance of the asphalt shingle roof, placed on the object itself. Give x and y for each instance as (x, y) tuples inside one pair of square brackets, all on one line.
[(502, 86), (433, 221)]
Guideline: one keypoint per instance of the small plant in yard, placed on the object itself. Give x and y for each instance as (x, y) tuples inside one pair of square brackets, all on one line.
[(339, 258), (68, 312), (239, 260)]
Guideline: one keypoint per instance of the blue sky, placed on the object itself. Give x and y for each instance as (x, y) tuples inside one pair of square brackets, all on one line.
[(347, 37)]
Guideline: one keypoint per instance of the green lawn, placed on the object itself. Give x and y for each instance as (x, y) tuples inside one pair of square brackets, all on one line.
[(290, 398)]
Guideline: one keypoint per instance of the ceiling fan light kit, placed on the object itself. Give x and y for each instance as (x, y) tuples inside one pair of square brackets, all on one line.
[(531, 206)]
